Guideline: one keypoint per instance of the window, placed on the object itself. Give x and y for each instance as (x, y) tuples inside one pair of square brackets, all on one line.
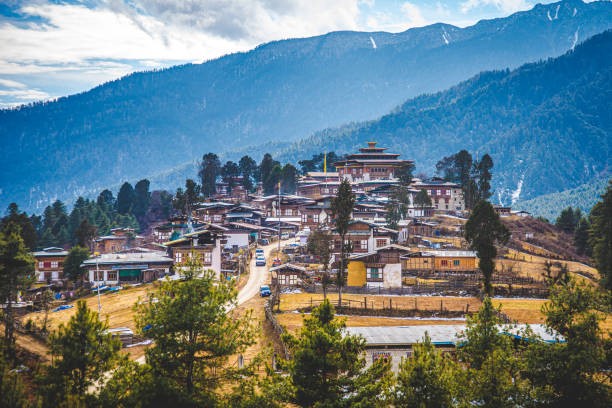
[(380, 355), (444, 262), (288, 211), (456, 262), (54, 264), (315, 218), (207, 257), (364, 244), (304, 218), (178, 257), (374, 273), (98, 275), (41, 265), (46, 264), (439, 192), (112, 275), (381, 243)]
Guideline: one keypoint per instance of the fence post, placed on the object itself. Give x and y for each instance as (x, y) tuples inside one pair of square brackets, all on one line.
[(365, 303), (441, 308)]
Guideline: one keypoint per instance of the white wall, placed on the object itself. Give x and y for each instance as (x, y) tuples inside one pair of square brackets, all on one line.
[(392, 276)]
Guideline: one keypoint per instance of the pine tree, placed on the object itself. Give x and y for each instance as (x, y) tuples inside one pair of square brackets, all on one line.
[(327, 368), (289, 178), (342, 208), (484, 177), (210, 169), (125, 199), (82, 352), (600, 236), (426, 379), (16, 274), (319, 243), (248, 170), (422, 200), (581, 237), (194, 330), (484, 230), (72, 264)]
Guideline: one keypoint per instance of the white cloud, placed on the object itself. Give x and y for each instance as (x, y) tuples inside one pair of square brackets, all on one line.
[(7, 83), (507, 6), (25, 94), (413, 14)]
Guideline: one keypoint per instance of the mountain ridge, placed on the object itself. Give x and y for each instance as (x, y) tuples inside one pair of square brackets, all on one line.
[(146, 123)]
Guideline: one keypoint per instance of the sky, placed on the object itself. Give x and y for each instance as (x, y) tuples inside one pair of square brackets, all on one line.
[(55, 48)]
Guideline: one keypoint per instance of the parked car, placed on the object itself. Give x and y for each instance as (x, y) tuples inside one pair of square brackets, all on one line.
[(276, 262), (259, 251), (263, 241), (265, 291), (260, 261)]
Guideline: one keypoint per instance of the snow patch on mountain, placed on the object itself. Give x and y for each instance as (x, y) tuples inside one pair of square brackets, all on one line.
[(516, 194), (575, 39), (445, 36), (373, 42), (574, 13)]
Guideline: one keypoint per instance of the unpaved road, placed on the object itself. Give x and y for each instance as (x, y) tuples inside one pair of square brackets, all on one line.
[(258, 275)]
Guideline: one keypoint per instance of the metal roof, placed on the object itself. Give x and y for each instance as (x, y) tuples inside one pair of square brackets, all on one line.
[(439, 334)]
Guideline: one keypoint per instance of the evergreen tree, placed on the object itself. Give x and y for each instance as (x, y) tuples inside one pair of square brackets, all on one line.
[(125, 199), (85, 233), (484, 177), (483, 231), (83, 353), (397, 207), (28, 231), (13, 393), (142, 201), (327, 368), (289, 178), (266, 173), (427, 378), (248, 170), (229, 172), (195, 330), (192, 194), (493, 367), (16, 274), (342, 208), (581, 237), (106, 202), (161, 206), (566, 221), (72, 264), (210, 168), (600, 236), (319, 244), (422, 200), (571, 373), (404, 174)]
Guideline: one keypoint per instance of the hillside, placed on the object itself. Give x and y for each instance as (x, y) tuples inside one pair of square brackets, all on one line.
[(549, 206), (547, 125), (148, 123)]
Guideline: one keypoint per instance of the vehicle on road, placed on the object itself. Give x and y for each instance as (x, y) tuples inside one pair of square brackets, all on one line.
[(259, 251), (276, 262), (265, 291), (260, 261)]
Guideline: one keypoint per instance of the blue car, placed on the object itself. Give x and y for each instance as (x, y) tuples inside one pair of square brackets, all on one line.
[(265, 291)]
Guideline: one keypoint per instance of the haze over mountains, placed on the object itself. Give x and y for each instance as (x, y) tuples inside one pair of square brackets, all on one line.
[(149, 123)]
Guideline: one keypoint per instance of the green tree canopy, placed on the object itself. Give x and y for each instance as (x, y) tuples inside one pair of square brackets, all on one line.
[(125, 199), (72, 264), (483, 231), (83, 351), (210, 169), (600, 236), (195, 330), (16, 274), (342, 209), (328, 368)]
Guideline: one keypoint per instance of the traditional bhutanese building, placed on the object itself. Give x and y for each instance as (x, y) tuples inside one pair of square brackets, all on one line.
[(371, 163), (49, 266)]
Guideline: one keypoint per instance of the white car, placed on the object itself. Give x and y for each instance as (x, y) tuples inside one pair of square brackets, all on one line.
[(260, 261)]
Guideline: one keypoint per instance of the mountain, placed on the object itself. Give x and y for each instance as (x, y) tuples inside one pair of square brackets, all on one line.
[(547, 125), (550, 206), (148, 123)]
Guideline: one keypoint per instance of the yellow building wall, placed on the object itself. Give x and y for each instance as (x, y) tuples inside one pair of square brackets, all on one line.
[(356, 273), (464, 263)]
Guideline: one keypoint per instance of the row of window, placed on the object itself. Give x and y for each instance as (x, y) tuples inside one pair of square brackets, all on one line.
[(205, 257), (50, 264)]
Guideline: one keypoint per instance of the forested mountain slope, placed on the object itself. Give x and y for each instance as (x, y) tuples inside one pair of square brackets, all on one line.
[(147, 123), (547, 125)]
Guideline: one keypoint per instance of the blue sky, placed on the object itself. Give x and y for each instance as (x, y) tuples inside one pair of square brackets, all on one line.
[(55, 48)]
